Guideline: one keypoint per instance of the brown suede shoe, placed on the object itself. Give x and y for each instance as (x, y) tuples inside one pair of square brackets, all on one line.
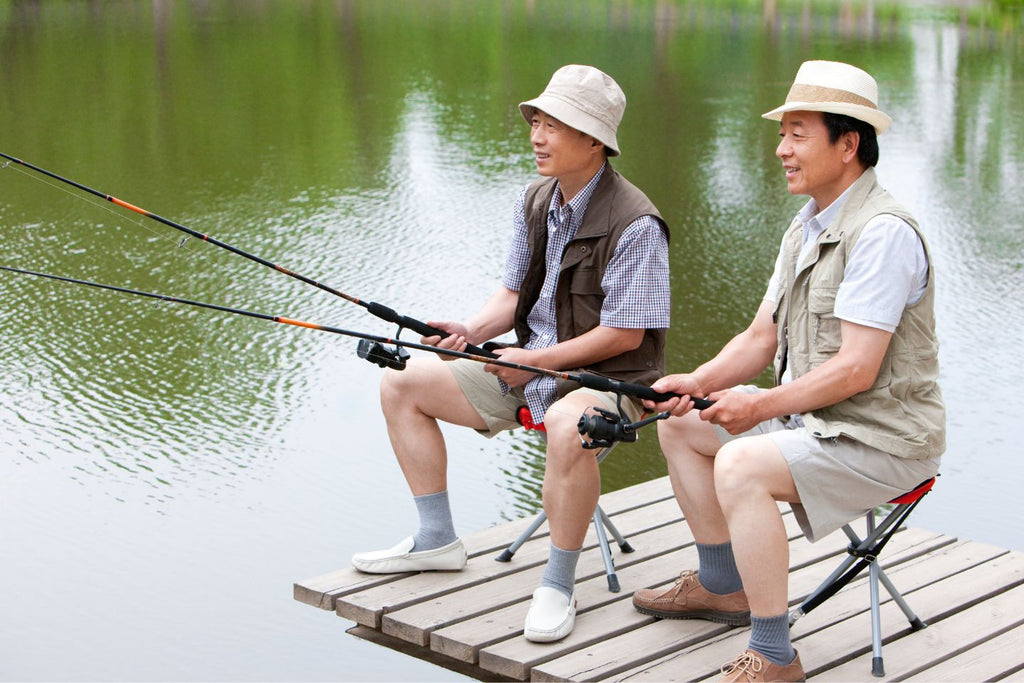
[(687, 599), (752, 666)]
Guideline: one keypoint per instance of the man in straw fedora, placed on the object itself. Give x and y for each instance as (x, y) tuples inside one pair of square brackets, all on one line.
[(855, 417), (585, 287)]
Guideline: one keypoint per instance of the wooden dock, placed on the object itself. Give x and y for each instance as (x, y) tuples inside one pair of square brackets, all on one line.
[(971, 596)]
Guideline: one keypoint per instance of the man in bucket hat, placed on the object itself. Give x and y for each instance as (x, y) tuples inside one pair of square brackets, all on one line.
[(855, 417), (585, 288)]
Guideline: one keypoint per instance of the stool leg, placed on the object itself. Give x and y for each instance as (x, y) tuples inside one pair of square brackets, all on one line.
[(624, 545), (877, 668), (915, 621), (606, 553), (507, 553)]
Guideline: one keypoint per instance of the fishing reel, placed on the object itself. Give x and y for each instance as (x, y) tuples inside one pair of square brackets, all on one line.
[(606, 428), (393, 357)]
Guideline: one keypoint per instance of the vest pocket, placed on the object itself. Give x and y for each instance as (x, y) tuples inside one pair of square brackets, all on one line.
[(585, 298), (826, 335)]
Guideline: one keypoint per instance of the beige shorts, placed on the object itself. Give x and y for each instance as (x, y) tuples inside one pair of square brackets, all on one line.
[(499, 411), (839, 479)]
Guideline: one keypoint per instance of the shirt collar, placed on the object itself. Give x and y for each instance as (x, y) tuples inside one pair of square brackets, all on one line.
[(578, 204), (809, 214)]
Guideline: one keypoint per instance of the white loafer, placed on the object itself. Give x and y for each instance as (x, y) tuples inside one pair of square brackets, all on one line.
[(401, 558), (551, 616)]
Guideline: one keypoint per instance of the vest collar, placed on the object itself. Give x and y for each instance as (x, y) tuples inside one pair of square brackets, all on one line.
[(835, 215)]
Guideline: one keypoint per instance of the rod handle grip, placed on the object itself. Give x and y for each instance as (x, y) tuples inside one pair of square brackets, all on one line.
[(599, 383), (419, 327)]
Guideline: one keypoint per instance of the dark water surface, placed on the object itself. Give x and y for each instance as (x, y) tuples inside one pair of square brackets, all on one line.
[(167, 473)]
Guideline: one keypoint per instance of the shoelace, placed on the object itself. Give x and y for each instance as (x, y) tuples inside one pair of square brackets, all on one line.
[(746, 662), (684, 579)]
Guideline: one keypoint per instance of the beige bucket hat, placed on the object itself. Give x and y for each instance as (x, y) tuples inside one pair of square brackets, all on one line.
[(836, 88), (584, 98)]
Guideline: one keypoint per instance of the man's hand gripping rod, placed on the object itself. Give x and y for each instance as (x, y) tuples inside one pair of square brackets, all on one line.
[(605, 427), (395, 357)]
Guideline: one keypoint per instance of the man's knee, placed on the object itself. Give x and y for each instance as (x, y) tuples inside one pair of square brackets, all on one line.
[(747, 467), (688, 433), (402, 389), (564, 446)]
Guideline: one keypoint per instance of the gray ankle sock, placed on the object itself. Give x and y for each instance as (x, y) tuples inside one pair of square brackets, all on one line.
[(770, 637), (436, 526), (560, 571), (718, 573)]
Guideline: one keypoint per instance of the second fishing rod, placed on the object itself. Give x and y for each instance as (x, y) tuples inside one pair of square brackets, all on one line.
[(604, 427), (381, 311)]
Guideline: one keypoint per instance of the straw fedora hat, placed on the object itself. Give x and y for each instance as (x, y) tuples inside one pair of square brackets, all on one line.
[(836, 88), (584, 98)]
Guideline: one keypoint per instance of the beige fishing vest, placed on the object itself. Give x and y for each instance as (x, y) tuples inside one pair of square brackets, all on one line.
[(903, 412)]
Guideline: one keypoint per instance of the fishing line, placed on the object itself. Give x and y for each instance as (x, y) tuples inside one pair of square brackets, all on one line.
[(604, 427), (97, 204), (381, 311), (584, 379)]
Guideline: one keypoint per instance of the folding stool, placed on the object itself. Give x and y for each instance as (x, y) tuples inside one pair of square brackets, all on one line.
[(600, 519), (863, 553)]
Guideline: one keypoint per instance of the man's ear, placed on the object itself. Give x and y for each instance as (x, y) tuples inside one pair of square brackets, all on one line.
[(851, 143)]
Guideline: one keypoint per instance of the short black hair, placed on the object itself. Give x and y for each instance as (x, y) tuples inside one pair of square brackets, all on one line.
[(839, 124)]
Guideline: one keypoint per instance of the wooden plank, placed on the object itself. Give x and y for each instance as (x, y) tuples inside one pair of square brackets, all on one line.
[(806, 575), (472, 620), (416, 622), (465, 639), (645, 493), (585, 647), (704, 659), (517, 658), (324, 590), (375, 636), (640, 572), (940, 641), (367, 607), (851, 638), (607, 657), (907, 577), (996, 658)]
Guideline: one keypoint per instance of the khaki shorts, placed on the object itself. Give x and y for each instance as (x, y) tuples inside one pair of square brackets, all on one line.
[(499, 411), (839, 479)]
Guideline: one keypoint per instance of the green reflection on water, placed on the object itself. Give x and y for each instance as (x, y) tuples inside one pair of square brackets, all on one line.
[(315, 134)]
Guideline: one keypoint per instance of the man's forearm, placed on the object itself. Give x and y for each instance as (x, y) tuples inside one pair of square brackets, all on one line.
[(591, 347), (494, 318), (852, 370), (744, 357)]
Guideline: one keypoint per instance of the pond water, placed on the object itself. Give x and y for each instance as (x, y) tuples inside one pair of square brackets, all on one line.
[(167, 473)]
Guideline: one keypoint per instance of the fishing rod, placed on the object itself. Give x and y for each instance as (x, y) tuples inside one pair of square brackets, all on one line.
[(381, 311), (603, 427)]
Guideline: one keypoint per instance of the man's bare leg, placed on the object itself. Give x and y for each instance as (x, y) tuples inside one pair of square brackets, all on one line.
[(751, 475), (690, 446), (413, 400)]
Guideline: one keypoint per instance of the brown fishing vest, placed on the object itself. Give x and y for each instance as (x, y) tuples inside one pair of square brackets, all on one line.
[(578, 296), (902, 413)]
